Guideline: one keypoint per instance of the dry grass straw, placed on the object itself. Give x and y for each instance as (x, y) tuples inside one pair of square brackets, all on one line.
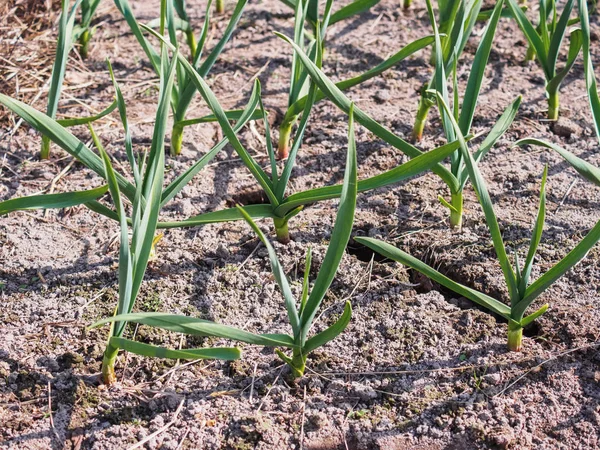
[(27, 46)]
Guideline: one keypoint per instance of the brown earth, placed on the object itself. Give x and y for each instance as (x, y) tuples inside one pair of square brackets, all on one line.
[(417, 367)]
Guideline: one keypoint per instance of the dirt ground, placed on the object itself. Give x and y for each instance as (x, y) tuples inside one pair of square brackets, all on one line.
[(417, 368)]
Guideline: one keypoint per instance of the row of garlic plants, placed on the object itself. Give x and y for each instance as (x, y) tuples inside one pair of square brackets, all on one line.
[(135, 199)]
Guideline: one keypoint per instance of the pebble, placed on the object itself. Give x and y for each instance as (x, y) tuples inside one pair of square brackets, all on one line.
[(365, 393), (493, 379), (565, 127), (382, 96), (318, 419)]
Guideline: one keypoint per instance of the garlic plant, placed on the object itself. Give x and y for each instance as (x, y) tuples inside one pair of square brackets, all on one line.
[(547, 41), (307, 11), (521, 291), (183, 91), (281, 208), (63, 47), (457, 19), (302, 313), (464, 111), (133, 258), (456, 176)]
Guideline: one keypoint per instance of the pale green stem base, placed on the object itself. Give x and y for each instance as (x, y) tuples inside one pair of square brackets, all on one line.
[(45, 151), (530, 56), (298, 365), (515, 338), (176, 140), (432, 57), (283, 149), (281, 230), (456, 216), (84, 43), (108, 365), (553, 106), (417, 133), (191, 40), (407, 4), (220, 6)]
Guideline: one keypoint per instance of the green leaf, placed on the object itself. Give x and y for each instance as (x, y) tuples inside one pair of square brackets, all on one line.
[(573, 257), (505, 14), (46, 201), (392, 61), (296, 78), (126, 265), (440, 79), (477, 72), (291, 160), (182, 180), (498, 130), (445, 203), (459, 35), (88, 8), (404, 171), (234, 115), (536, 236), (585, 169), (263, 211), (63, 47), (389, 251), (85, 120), (203, 34), (153, 56), (575, 44), (530, 318), (179, 24), (558, 35), (236, 15), (169, 15), (144, 226), (352, 9), (330, 333), (486, 204), (189, 89), (61, 136), (339, 236), (123, 115), (308, 105), (154, 351), (279, 274), (199, 327), (532, 36), (101, 209), (341, 101), (218, 111), (269, 145), (306, 279)]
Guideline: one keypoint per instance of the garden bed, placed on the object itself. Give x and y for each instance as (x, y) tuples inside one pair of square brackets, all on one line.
[(416, 368)]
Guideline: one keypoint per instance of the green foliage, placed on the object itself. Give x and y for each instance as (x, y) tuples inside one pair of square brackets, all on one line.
[(546, 41), (308, 11), (457, 19), (456, 176), (63, 47), (301, 315), (133, 258), (521, 292), (588, 65), (281, 207)]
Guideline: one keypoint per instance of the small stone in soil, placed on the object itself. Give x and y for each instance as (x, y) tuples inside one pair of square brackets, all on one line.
[(565, 128), (382, 96)]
